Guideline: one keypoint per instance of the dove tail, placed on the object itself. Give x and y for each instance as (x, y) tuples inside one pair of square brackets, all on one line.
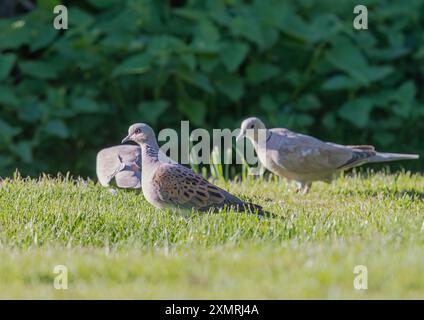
[(254, 208), (385, 157)]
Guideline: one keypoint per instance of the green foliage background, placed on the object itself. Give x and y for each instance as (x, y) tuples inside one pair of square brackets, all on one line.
[(297, 64)]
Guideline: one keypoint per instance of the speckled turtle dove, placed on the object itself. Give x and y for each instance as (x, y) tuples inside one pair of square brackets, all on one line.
[(305, 159), (173, 186)]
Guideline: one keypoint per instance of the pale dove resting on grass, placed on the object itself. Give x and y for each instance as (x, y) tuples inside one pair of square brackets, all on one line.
[(121, 163), (173, 186), (306, 159)]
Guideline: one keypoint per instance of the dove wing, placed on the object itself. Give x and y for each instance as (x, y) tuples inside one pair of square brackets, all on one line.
[(122, 163), (305, 154), (182, 187)]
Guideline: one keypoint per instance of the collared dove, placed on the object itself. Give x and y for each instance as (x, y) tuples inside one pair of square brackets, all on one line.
[(122, 163), (306, 159), (172, 186)]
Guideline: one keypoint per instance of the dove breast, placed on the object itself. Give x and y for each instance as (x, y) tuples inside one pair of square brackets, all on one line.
[(120, 163)]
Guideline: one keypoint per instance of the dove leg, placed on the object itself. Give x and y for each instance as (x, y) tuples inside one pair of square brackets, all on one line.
[(303, 188), (113, 191), (299, 187), (306, 187)]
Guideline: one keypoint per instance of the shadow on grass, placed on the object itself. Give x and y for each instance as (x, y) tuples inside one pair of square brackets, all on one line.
[(375, 193)]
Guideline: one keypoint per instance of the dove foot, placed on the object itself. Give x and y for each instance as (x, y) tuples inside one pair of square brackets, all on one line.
[(113, 191), (303, 188)]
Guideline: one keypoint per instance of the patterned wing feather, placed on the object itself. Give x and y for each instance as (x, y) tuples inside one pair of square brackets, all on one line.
[(180, 186)]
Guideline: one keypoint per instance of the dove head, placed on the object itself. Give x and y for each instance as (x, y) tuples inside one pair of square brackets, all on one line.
[(250, 128), (140, 133)]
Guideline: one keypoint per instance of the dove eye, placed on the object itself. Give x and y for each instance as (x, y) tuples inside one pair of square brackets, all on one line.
[(137, 131)]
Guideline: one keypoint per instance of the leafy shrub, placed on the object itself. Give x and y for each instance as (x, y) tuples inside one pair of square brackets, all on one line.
[(298, 64)]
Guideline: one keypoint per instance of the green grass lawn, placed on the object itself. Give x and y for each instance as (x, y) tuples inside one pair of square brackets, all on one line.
[(121, 247)]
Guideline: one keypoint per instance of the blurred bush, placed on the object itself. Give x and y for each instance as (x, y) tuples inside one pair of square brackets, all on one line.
[(297, 64)]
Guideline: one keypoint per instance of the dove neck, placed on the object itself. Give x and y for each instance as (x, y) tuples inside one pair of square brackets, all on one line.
[(150, 151), (259, 139)]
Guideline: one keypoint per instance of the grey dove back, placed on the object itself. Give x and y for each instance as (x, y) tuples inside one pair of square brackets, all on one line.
[(120, 163)]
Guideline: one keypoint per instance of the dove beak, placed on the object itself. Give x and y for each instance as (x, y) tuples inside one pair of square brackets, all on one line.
[(126, 139)]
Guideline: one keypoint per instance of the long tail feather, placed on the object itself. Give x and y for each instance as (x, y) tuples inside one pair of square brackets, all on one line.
[(254, 208), (385, 157)]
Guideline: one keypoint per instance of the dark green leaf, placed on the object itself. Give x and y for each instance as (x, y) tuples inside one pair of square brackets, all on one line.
[(231, 86), (207, 38), (267, 103), (384, 138), (340, 82), (8, 96), (150, 111), (350, 59), (249, 28), (260, 72), (23, 149), (47, 4), (404, 99), (195, 110), (85, 105), (308, 102), (8, 131), (357, 111), (6, 64), (14, 33), (42, 37), (198, 80), (56, 128), (233, 54), (136, 64), (41, 70), (5, 161), (102, 4)]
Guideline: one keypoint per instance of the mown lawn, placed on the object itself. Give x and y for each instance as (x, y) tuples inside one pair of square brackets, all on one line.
[(121, 247)]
